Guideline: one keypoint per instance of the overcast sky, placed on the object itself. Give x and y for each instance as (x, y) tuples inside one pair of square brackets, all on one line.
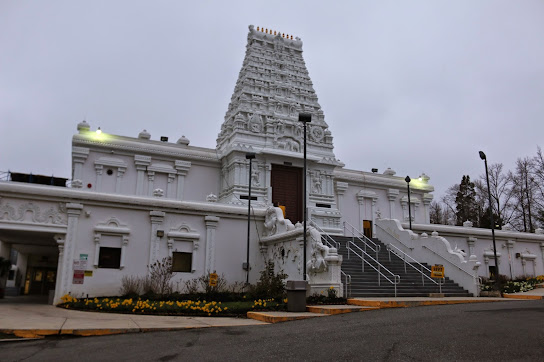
[(418, 86)]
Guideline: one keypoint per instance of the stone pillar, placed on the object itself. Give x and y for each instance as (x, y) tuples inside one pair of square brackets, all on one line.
[(73, 210), (183, 168), (542, 253), (79, 156), (98, 182), (96, 249), (510, 246), (157, 217), (141, 163), (392, 195), (373, 205), (60, 268), (123, 251), (118, 181), (150, 179), (341, 188), (471, 243), (169, 188), (427, 198), (211, 226), (360, 200)]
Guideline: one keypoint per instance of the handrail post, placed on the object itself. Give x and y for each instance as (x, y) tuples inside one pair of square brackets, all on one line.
[(404, 263)]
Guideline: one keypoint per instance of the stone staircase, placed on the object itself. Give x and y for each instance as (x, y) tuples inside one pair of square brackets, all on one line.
[(365, 284)]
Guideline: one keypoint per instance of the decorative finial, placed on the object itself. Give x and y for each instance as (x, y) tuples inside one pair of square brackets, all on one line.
[(283, 35), (274, 32), (257, 28), (291, 37), (266, 31)]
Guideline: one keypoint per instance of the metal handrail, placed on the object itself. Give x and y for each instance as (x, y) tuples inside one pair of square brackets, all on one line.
[(392, 235), (365, 240), (393, 249), (464, 271), (396, 277), (326, 236), (348, 282)]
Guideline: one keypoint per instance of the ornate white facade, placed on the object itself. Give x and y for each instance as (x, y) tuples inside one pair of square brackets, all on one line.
[(142, 199)]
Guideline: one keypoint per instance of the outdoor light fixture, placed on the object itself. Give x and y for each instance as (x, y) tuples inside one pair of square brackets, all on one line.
[(374, 170), (98, 131), (164, 139), (408, 179), (249, 156), (497, 279), (304, 118)]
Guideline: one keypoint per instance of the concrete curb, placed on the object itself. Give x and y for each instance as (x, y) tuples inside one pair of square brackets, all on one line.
[(518, 296), (414, 303)]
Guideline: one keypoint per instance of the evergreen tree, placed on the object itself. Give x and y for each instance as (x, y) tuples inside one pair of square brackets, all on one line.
[(466, 207)]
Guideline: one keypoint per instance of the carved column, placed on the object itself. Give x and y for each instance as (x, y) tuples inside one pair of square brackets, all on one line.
[(123, 251), (73, 210), (60, 268), (141, 163), (183, 168), (373, 205), (341, 188), (157, 217), (427, 198), (211, 226), (510, 246), (392, 195), (268, 182), (150, 179), (79, 156), (471, 243), (98, 183), (542, 252), (118, 181), (360, 200)]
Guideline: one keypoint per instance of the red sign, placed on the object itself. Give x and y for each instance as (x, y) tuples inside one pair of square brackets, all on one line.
[(79, 275)]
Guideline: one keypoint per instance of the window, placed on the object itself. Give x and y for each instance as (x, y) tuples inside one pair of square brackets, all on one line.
[(109, 258), (182, 262)]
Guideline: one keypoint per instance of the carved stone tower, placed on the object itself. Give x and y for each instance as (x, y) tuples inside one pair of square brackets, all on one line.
[(273, 87)]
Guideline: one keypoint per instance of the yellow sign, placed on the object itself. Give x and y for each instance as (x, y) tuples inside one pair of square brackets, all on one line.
[(437, 271), (213, 279), (88, 273)]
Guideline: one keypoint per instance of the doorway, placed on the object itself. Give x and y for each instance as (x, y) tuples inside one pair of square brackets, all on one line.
[(367, 228), (286, 182)]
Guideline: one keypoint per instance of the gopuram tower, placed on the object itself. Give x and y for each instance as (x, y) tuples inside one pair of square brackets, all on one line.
[(273, 87)]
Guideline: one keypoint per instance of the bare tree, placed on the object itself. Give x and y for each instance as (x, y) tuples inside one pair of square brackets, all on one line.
[(500, 184), (524, 190)]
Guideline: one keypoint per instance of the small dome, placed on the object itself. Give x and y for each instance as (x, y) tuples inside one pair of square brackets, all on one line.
[(183, 141), (389, 172), (144, 135), (83, 126)]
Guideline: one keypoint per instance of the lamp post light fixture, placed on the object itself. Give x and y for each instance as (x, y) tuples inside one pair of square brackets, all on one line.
[(249, 156), (304, 118), (497, 279), (408, 179)]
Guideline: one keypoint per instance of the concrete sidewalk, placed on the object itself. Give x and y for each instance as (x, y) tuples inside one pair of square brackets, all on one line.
[(38, 320), (23, 317)]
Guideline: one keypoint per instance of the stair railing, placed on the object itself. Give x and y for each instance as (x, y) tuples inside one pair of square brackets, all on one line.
[(324, 236), (347, 282), (392, 249), (4, 176), (449, 262), (365, 240), (379, 268)]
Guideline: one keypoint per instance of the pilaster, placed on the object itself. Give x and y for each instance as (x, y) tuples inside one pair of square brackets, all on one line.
[(74, 211), (211, 225), (157, 218), (392, 195), (183, 168), (141, 163)]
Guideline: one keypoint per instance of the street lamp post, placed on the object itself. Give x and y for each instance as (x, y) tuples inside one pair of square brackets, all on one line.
[(304, 118), (249, 156), (408, 179), (483, 157)]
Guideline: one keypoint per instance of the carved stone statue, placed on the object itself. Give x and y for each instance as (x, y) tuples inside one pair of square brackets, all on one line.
[(317, 262), (275, 223)]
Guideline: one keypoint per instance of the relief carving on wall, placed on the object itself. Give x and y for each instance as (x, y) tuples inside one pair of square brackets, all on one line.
[(29, 211)]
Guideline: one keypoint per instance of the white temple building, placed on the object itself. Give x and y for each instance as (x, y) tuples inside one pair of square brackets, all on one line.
[(135, 200)]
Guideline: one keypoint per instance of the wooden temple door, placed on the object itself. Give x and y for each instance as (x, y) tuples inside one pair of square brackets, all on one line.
[(286, 185)]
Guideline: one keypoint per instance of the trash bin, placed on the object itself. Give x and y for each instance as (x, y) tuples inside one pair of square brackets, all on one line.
[(296, 295)]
